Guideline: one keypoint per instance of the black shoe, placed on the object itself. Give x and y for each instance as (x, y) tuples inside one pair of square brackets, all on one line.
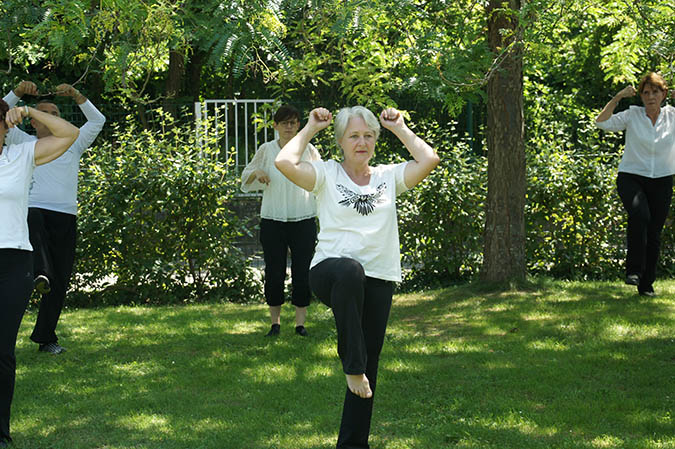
[(648, 293), (41, 284), (300, 330), (633, 279), (52, 348), (274, 331)]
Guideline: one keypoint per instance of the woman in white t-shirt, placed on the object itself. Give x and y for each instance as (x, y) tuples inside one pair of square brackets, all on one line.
[(357, 256), (17, 163), (287, 220), (645, 179)]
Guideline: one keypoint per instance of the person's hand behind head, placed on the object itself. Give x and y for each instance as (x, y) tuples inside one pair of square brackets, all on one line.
[(66, 90), (26, 88)]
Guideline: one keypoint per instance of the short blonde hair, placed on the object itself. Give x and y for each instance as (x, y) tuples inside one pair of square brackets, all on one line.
[(653, 79), (346, 114)]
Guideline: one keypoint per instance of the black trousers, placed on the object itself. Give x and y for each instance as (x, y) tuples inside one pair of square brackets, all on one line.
[(647, 201), (16, 284), (53, 236), (361, 306), (276, 238)]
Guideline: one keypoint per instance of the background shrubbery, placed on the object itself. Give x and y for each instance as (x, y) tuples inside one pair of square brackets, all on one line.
[(441, 220), (155, 221), (575, 223), (159, 221)]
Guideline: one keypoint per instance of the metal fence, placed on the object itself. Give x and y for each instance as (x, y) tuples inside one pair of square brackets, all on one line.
[(236, 127)]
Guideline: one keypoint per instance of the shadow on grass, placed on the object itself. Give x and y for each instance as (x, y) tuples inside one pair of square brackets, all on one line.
[(571, 365), (177, 377), (564, 365)]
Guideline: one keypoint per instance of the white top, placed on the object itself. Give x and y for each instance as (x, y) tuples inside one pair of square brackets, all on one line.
[(650, 149), (55, 184), (360, 222), (282, 200), (17, 163)]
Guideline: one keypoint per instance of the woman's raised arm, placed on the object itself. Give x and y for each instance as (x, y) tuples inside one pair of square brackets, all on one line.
[(425, 158), (47, 148), (289, 162), (608, 110)]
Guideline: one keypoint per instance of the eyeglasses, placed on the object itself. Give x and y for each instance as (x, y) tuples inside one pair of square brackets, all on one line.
[(288, 123)]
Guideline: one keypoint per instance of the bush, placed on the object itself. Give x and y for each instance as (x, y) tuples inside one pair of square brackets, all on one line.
[(575, 223), (441, 221), (155, 222)]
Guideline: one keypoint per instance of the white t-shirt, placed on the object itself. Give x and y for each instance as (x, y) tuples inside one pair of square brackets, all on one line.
[(17, 163), (360, 222), (55, 183), (282, 200), (650, 149)]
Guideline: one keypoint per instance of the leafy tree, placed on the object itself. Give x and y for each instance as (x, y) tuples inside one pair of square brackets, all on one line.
[(141, 51)]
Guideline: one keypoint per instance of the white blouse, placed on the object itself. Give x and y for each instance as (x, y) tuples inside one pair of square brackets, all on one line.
[(282, 200), (17, 163), (360, 222), (650, 149)]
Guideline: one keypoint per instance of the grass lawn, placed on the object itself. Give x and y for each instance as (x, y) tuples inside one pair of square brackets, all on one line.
[(550, 365)]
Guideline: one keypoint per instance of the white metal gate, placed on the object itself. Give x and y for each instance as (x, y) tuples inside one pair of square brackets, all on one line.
[(234, 127)]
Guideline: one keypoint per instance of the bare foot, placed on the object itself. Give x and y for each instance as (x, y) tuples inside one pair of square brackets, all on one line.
[(359, 385)]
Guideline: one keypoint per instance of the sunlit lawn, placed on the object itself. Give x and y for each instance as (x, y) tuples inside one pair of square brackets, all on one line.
[(552, 365)]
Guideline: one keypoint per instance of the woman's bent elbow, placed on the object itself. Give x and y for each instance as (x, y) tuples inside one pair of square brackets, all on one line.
[(280, 165), (75, 135), (434, 161)]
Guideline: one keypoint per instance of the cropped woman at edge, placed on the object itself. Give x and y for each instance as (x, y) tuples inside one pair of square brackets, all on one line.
[(17, 163), (645, 178), (357, 257)]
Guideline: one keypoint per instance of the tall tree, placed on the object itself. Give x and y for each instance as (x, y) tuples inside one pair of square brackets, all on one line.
[(504, 238)]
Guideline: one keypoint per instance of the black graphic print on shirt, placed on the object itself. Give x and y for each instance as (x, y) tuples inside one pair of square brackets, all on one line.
[(364, 204)]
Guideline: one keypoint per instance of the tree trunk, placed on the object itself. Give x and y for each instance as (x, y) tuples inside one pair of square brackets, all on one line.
[(504, 238), (194, 74), (174, 81)]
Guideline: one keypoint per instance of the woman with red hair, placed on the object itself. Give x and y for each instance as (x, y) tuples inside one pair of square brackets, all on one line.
[(645, 179)]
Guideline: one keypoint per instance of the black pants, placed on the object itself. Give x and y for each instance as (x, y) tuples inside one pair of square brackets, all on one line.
[(647, 201), (361, 306), (53, 237), (276, 238), (16, 283)]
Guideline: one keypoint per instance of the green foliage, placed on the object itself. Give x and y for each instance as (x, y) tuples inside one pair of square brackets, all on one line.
[(441, 220), (428, 57), (124, 46), (156, 220), (570, 40), (575, 223)]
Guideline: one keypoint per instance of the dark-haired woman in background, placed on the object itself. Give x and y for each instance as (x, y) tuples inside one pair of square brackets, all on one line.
[(17, 163), (645, 179), (287, 220)]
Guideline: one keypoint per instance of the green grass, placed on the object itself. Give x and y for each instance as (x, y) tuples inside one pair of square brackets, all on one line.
[(550, 365)]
